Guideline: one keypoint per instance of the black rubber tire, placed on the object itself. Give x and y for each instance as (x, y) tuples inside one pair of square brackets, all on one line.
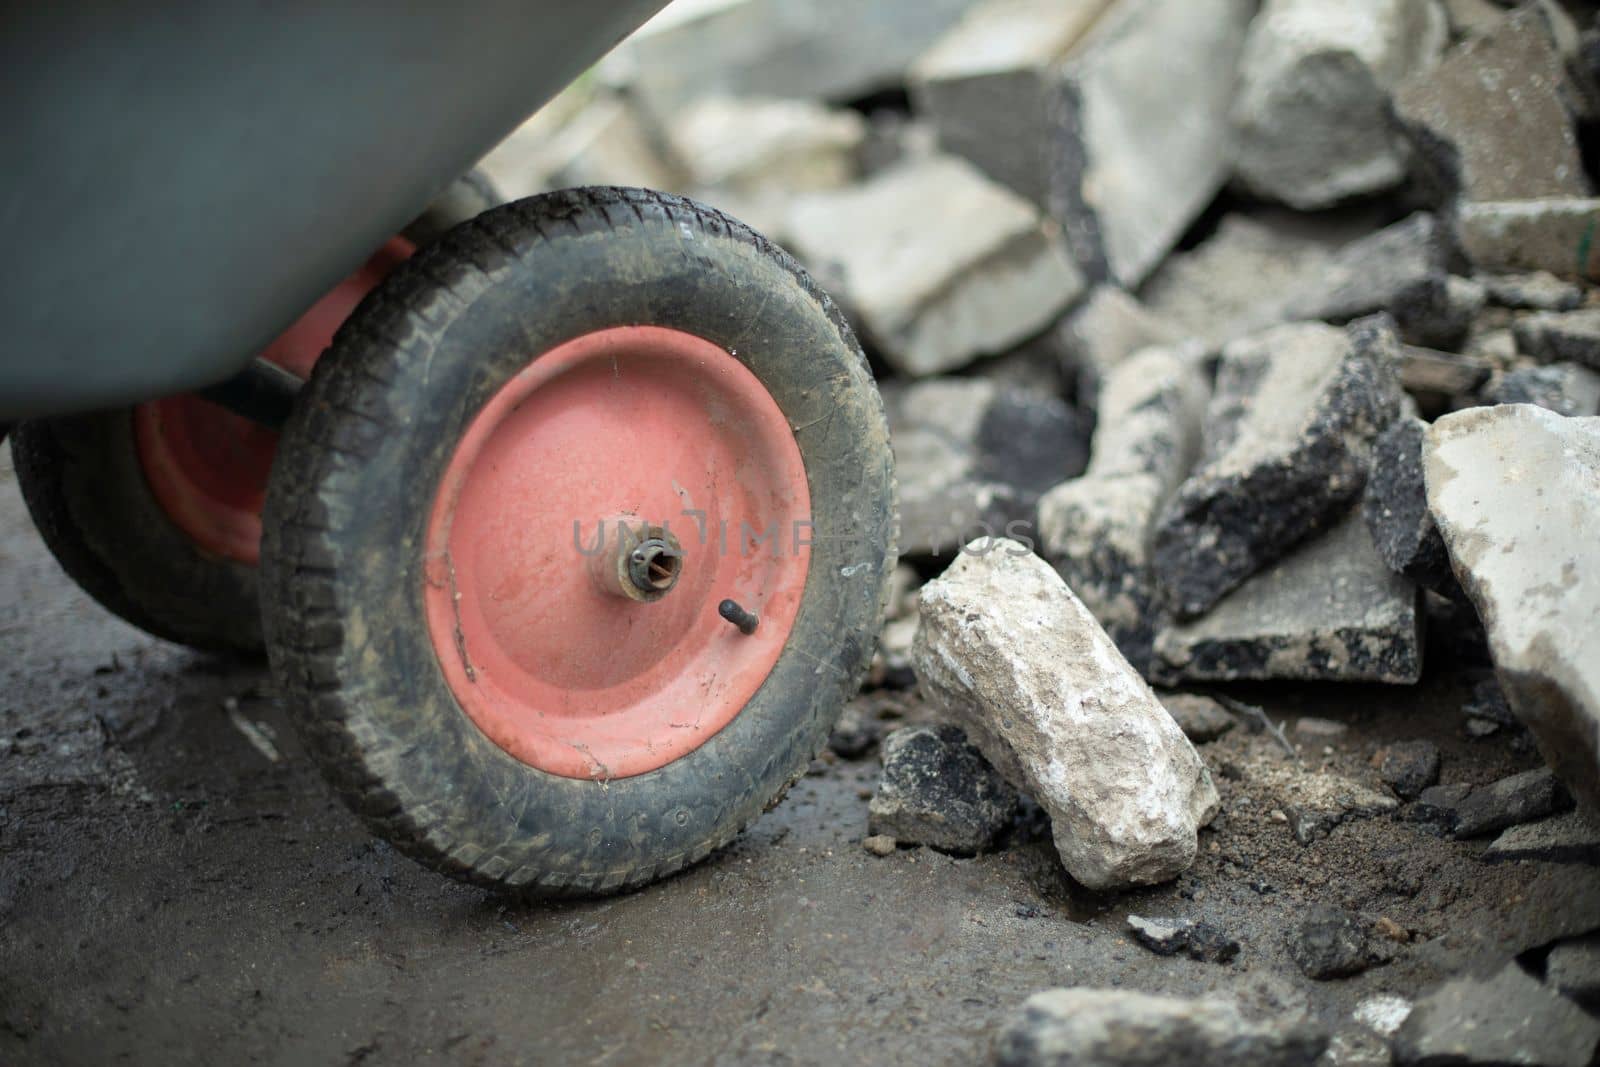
[(354, 483), (87, 493)]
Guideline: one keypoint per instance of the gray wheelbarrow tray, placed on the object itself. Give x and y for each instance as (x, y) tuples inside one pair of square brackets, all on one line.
[(182, 180)]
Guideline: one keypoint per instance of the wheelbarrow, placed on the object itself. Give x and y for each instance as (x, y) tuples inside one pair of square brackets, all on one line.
[(565, 525)]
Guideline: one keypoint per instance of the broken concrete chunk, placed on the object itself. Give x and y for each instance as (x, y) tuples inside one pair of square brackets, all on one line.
[(1199, 717), (1492, 120), (1240, 279), (1408, 767), (1402, 270), (1329, 943), (749, 157), (971, 457), (1107, 328), (1509, 1017), (588, 139), (834, 50), (939, 264), (1010, 654), (938, 791), (1570, 838), (1197, 939), (1096, 529), (994, 89), (1561, 336), (1311, 117), (1564, 388), (1534, 291), (1515, 491), (1331, 610), (1288, 437), (1573, 967), (1116, 1028), (1395, 510), (1069, 104), (1557, 235)]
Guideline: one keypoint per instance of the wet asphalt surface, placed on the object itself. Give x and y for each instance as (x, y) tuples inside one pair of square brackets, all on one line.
[(177, 885)]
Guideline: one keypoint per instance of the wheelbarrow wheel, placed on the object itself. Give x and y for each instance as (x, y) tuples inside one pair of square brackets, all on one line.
[(155, 510), (578, 541)]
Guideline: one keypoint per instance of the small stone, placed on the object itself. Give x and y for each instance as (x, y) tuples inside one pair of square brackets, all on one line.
[(1570, 838), (1408, 767), (1573, 967), (1515, 490), (1491, 121), (1561, 336), (1096, 529), (1388, 928), (1555, 235), (1288, 437), (1518, 799), (1400, 270), (1394, 507), (1534, 291), (1116, 1028), (937, 790), (1311, 117), (938, 264), (1506, 1018), (1199, 717), (971, 457), (880, 844), (1008, 652), (1330, 610), (1329, 943), (1196, 939)]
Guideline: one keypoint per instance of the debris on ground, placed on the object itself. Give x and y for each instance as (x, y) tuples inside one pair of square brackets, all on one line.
[(1329, 943), (1096, 529), (972, 457), (1118, 1028), (1408, 767), (1287, 439), (1195, 938), (939, 791), (1507, 1017), (1010, 654), (1518, 475)]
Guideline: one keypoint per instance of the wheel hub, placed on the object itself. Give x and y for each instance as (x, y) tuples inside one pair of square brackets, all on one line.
[(572, 592)]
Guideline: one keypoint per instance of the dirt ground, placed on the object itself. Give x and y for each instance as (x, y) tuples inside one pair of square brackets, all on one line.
[(169, 893)]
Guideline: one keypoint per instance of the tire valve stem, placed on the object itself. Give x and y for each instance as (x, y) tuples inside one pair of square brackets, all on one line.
[(746, 621)]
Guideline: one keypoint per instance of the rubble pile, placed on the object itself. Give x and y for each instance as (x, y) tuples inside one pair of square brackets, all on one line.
[(1219, 342)]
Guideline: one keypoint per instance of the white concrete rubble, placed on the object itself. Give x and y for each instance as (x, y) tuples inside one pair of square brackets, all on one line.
[(1010, 654)]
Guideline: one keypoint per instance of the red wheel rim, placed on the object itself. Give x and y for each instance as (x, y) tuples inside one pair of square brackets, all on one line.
[(207, 467), (644, 424)]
